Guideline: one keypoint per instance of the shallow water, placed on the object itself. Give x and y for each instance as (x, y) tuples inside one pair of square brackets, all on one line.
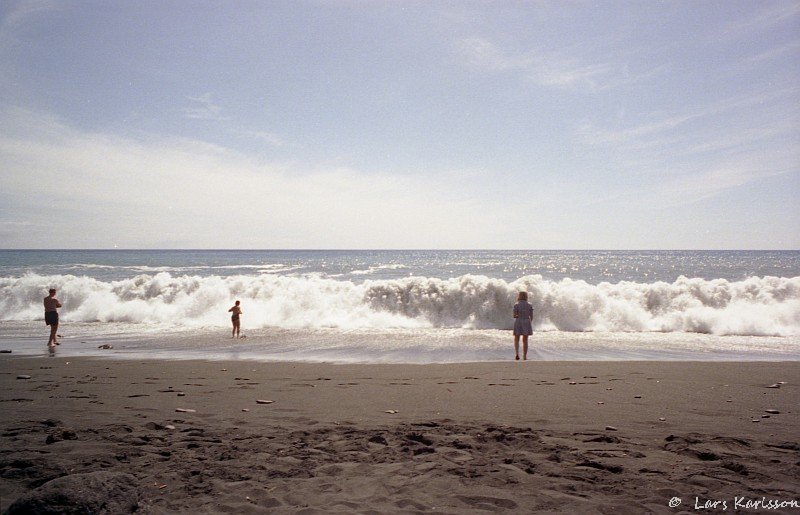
[(392, 345)]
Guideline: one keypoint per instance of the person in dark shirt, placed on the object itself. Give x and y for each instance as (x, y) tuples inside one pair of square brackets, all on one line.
[(237, 312), (51, 305)]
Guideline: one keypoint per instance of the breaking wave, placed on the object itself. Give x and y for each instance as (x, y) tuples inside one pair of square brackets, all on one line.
[(759, 306)]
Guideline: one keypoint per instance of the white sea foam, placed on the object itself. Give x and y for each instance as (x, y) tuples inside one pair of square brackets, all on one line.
[(182, 269), (758, 306), (377, 268)]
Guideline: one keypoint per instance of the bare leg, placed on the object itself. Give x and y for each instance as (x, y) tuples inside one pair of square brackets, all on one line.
[(237, 328), (524, 346), (53, 330), (516, 346)]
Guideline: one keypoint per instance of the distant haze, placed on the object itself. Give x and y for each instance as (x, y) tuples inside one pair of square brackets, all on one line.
[(414, 124)]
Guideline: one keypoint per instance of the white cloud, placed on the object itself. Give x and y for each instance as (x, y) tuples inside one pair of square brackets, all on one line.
[(685, 157), (547, 68), (592, 135), (19, 12), (202, 108), (742, 138), (103, 189), (766, 18), (484, 55), (565, 73), (662, 129), (269, 138), (773, 53), (704, 184), (14, 15)]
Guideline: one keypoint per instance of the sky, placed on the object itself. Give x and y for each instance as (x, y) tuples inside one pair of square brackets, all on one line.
[(400, 124)]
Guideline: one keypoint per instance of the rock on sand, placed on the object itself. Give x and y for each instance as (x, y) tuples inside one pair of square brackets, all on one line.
[(93, 492)]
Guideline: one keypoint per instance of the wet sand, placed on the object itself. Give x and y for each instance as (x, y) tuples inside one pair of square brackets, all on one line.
[(588, 437)]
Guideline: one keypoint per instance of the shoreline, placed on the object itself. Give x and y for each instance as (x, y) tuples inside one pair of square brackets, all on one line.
[(535, 436), (400, 346)]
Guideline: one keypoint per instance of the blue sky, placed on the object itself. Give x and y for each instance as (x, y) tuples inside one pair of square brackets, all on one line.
[(360, 124)]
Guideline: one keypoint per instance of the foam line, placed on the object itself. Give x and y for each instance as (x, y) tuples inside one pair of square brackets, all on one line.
[(759, 306)]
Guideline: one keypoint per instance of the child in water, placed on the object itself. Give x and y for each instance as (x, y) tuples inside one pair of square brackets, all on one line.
[(237, 312)]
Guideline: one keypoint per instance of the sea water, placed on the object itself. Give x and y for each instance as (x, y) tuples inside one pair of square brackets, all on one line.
[(413, 306)]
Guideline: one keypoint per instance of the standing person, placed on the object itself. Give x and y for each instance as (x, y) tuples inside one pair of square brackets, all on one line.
[(51, 305), (523, 313), (237, 311)]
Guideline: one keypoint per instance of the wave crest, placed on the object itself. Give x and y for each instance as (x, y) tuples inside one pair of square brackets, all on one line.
[(763, 306)]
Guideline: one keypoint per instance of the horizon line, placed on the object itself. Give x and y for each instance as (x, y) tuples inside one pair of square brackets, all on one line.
[(420, 249)]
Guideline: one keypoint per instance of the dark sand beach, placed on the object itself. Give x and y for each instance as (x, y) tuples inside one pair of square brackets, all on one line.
[(516, 437)]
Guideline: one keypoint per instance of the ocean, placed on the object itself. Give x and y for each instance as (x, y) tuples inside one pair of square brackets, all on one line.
[(405, 306)]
